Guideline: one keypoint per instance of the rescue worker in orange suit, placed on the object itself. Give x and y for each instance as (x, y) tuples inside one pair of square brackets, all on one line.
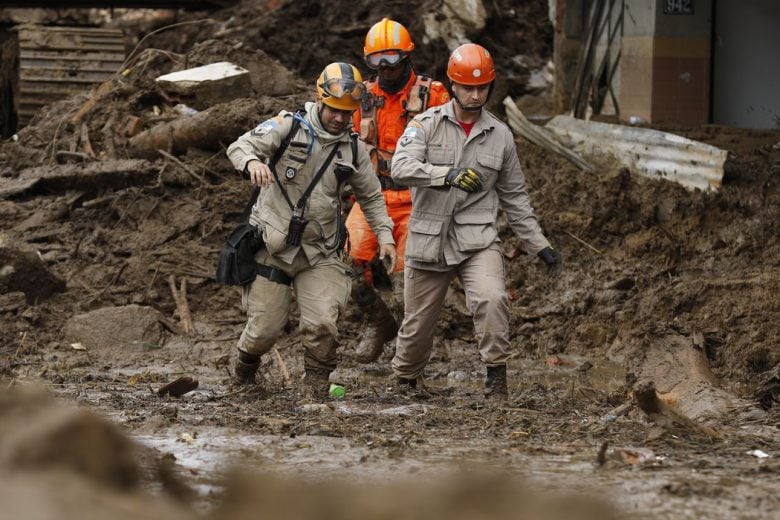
[(461, 162), (393, 98)]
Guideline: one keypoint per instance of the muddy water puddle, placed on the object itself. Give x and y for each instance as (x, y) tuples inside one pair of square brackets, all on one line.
[(549, 436), (667, 489)]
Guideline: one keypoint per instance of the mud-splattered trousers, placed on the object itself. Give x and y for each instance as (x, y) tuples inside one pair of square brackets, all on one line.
[(321, 293), (454, 233), (320, 281)]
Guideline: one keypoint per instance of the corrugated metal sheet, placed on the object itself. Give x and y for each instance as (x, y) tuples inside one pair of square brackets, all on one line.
[(648, 152), (56, 62)]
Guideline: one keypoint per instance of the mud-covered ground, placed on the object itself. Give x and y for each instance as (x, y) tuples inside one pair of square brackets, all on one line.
[(649, 266)]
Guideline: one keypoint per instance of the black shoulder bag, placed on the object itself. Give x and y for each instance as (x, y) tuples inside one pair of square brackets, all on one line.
[(236, 265)]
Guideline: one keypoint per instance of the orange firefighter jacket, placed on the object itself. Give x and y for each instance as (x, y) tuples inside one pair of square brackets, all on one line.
[(383, 117)]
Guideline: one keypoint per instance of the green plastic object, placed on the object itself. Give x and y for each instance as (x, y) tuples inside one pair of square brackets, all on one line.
[(337, 390)]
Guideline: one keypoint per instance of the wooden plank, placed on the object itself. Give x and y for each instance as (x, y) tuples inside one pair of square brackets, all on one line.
[(28, 54)]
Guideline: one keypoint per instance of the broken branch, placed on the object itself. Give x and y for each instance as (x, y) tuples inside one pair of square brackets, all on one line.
[(182, 307)]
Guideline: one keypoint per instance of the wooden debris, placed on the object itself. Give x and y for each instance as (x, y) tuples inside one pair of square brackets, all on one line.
[(540, 136), (179, 387), (133, 126), (63, 177), (647, 399), (98, 95), (282, 367), (108, 137), (180, 164), (60, 154), (205, 130), (182, 307), (86, 145)]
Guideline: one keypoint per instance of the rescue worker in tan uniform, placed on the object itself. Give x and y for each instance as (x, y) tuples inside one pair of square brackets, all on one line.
[(396, 95), (302, 242), (461, 162)]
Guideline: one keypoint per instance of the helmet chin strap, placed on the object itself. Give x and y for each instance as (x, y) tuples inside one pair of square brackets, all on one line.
[(472, 108), (469, 108)]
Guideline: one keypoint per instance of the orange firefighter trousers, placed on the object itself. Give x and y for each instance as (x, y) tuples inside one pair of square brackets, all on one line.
[(363, 246)]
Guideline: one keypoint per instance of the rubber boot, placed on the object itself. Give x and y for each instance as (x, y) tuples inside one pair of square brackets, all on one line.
[(495, 383), (245, 368), (316, 383), (381, 328), (409, 389)]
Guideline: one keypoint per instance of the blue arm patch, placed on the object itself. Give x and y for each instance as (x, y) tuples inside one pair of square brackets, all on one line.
[(266, 126)]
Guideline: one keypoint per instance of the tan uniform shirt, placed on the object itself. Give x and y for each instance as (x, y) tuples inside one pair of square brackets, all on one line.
[(308, 150), (448, 225)]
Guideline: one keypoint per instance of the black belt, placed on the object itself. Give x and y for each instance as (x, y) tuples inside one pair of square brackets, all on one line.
[(273, 274), (388, 183)]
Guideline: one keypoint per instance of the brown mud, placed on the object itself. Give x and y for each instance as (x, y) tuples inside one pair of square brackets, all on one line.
[(662, 285)]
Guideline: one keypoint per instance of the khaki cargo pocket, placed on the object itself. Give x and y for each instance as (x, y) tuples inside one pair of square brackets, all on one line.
[(475, 231), (274, 231), (490, 161), (424, 241), (441, 156), (489, 165)]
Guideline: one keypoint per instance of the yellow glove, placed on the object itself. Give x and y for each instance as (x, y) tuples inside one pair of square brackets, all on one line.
[(466, 179)]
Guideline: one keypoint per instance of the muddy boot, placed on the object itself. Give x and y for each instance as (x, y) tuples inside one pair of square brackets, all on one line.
[(245, 368), (316, 383), (381, 328), (408, 389), (495, 383)]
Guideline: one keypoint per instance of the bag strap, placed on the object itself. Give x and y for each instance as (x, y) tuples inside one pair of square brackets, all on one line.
[(296, 123), (353, 145), (299, 208)]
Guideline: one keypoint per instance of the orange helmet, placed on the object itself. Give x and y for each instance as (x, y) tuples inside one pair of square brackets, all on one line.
[(387, 35), (340, 86), (471, 64)]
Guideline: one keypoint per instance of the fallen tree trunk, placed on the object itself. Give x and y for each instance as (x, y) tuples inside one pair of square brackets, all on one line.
[(207, 130), (676, 387), (63, 177)]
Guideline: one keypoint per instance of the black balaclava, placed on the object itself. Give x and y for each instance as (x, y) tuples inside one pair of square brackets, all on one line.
[(392, 88)]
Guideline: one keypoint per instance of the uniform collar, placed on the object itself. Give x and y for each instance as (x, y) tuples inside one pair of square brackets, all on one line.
[(485, 121)]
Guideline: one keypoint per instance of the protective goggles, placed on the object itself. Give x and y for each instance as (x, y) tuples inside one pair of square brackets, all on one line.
[(386, 58), (339, 88)]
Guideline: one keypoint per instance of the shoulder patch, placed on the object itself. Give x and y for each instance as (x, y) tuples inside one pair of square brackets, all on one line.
[(415, 124), (409, 134), (266, 126)]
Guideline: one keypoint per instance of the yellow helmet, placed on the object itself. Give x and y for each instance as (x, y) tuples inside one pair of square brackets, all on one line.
[(340, 86)]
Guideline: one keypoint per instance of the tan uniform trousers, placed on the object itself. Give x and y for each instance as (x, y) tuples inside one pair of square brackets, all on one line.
[(321, 292), (483, 279)]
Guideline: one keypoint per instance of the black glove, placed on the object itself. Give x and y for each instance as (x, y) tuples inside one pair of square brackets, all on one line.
[(552, 259), (466, 179)]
